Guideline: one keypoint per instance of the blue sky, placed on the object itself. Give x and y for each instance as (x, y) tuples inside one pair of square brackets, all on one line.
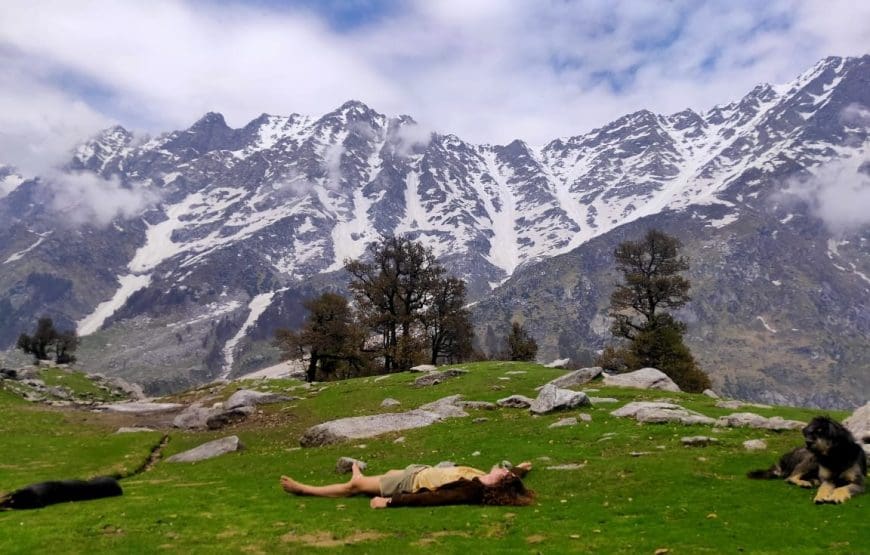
[(487, 70)]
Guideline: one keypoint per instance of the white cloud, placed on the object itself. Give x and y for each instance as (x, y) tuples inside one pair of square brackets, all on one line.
[(837, 192), (81, 198), (488, 70)]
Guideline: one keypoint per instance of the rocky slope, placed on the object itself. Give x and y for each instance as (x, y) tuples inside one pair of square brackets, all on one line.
[(176, 256)]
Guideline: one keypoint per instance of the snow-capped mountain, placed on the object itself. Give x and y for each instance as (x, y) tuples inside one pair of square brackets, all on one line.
[(177, 255)]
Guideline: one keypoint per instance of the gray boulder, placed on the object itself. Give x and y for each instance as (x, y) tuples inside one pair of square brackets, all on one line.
[(650, 412), (515, 402), (132, 390), (755, 445), (698, 441), (559, 363), (446, 407), (577, 377), (645, 378), (564, 422), (424, 368), (553, 398), (344, 465), (389, 403), (209, 450), (250, 398), (193, 417), (137, 407), (710, 393), (477, 405), (859, 423), (358, 427), (220, 418), (602, 400), (752, 420), (433, 378)]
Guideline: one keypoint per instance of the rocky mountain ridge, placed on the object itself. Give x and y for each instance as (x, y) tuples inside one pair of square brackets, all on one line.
[(178, 255)]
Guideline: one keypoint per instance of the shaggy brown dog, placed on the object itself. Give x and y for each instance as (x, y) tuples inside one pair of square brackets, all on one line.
[(831, 460), (799, 467), (842, 462)]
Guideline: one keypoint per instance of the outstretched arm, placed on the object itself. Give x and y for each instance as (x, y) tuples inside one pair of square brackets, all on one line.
[(426, 498)]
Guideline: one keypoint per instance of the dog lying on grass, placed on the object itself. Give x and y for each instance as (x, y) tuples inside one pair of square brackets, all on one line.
[(36, 496), (831, 460)]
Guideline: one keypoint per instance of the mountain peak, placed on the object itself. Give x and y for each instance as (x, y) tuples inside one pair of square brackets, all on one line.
[(210, 120)]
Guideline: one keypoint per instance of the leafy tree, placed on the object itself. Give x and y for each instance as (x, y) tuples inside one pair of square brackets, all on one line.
[(521, 345), (447, 322), (405, 298), (330, 336), (651, 285), (64, 346), (46, 339)]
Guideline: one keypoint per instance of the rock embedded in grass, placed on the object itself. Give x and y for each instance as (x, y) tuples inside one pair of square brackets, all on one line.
[(755, 445), (571, 421), (250, 398), (389, 403), (434, 378), (645, 378), (515, 402), (358, 427), (651, 412), (752, 420), (209, 450), (552, 398), (344, 465), (577, 377), (698, 441), (859, 424)]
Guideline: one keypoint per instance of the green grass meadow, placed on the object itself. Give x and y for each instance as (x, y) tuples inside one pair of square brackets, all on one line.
[(684, 499)]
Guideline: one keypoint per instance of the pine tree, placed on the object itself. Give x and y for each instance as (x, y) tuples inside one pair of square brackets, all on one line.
[(651, 284), (520, 345)]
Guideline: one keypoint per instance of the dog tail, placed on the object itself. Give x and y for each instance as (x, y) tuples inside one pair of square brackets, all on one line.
[(771, 473)]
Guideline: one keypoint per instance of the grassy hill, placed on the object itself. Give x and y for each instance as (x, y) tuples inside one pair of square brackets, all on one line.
[(685, 499)]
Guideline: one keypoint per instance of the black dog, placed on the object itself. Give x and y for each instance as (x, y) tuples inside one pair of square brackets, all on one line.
[(831, 460), (842, 462), (36, 496), (799, 467)]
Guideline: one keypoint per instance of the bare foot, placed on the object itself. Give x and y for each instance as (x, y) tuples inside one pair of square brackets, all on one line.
[(290, 485), (355, 471), (525, 465)]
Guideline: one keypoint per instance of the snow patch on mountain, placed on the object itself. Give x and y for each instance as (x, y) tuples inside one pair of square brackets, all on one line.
[(256, 307), (20, 254), (128, 284)]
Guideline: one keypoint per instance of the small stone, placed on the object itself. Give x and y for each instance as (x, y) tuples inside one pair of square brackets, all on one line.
[(564, 422), (755, 445), (585, 417), (390, 402), (698, 441), (400, 439), (480, 420), (476, 454), (344, 465)]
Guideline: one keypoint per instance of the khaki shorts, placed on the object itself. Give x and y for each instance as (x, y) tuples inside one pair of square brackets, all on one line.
[(400, 482)]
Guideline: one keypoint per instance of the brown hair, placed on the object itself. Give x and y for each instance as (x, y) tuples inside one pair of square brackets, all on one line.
[(510, 490)]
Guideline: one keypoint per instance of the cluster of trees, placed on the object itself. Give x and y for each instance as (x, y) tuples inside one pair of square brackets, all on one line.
[(47, 342), (651, 285), (406, 311)]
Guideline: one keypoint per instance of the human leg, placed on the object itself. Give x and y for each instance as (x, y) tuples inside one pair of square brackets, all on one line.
[(358, 484)]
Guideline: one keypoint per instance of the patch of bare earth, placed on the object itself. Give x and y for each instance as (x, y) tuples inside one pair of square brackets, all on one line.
[(327, 539), (433, 537)]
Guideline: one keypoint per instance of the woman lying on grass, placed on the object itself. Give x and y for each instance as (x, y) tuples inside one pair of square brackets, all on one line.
[(422, 485)]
